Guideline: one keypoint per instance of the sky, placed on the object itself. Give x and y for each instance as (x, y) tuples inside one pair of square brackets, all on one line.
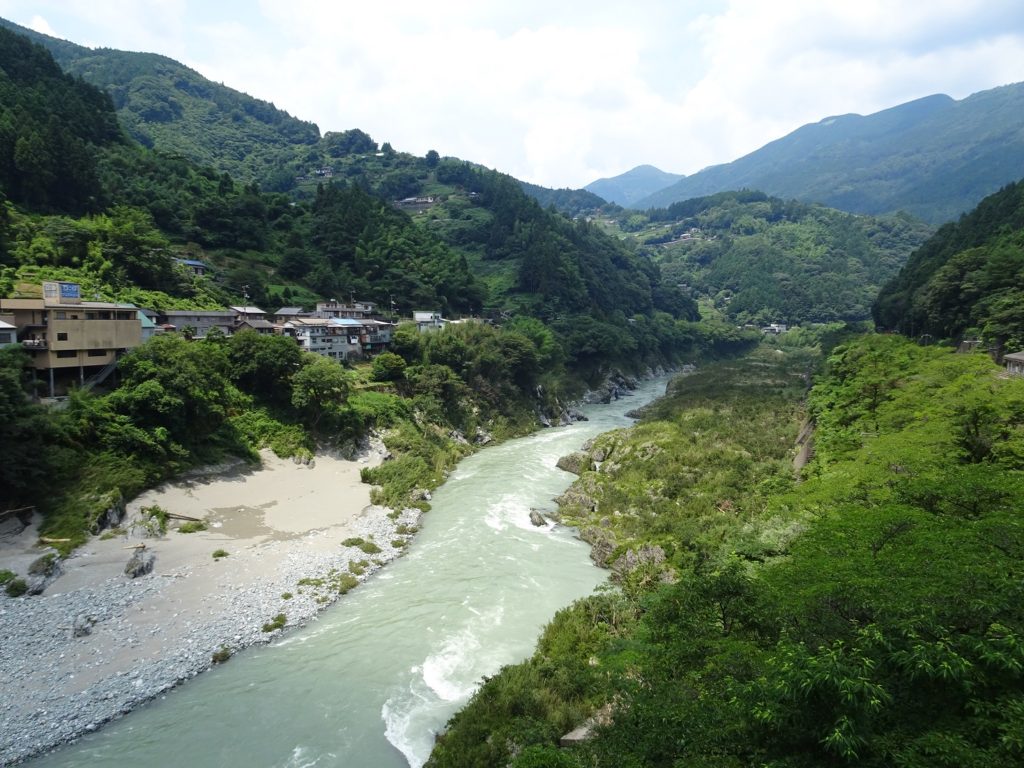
[(564, 93)]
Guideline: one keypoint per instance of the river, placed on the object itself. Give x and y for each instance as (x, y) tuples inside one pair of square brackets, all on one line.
[(371, 681)]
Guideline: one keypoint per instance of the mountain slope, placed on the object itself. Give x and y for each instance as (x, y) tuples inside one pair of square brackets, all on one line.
[(759, 259), (966, 280), (934, 158), (165, 105), (634, 185)]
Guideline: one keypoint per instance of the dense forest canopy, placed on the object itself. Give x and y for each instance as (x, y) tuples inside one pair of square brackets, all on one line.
[(967, 280), (760, 259)]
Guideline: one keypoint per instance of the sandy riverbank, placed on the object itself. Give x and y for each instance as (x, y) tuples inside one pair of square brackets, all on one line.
[(280, 523)]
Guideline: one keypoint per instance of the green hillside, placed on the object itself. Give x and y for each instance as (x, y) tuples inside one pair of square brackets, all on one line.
[(165, 105), (759, 259), (933, 158), (967, 280)]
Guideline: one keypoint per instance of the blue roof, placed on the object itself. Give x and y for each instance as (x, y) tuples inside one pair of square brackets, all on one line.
[(346, 321), (192, 263)]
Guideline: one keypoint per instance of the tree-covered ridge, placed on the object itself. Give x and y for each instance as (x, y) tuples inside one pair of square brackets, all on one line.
[(571, 202), (933, 158), (967, 280), (761, 259), (165, 105), (51, 126), (869, 615)]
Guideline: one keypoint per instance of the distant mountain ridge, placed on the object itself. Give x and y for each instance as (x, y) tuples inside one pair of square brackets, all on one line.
[(633, 185), (933, 157)]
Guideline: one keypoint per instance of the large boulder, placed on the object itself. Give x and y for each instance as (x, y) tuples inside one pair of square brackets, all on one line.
[(576, 462), (537, 518), (42, 572), (140, 564)]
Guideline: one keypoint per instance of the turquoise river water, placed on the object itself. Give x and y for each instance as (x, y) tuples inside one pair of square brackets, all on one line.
[(371, 681)]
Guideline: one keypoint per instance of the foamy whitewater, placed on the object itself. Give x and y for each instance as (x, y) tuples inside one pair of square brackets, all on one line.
[(376, 677)]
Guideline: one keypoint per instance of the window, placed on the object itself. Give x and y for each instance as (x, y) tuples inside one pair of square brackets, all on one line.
[(97, 353), (66, 353), (62, 315), (62, 336), (5, 338)]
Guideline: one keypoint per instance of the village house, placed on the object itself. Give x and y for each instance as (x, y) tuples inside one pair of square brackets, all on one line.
[(194, 266), (284, 314), (200, 322), (357, 310), (8, 334), (428, 321), (70, 338), (376, 336), (325, 337), (1014, 363)]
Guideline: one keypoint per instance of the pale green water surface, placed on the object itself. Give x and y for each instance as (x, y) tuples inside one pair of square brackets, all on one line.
[(371, 681)]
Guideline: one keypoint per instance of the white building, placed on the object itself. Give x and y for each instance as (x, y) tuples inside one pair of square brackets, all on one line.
[(428, 321)]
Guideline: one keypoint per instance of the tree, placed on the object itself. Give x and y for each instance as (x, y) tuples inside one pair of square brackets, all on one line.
[(319, 387), (432, 159), (387, 366)]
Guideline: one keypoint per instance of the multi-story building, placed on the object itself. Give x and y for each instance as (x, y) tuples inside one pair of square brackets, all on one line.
[(325, 337), (71, 338), (357, 310)]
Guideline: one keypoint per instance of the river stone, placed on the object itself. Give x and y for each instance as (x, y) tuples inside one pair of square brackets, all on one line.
[(82, 625), (140, 563), (576, 462), (537, 518)]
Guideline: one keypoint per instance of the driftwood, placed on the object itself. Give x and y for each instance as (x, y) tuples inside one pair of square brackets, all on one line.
[(176, 516), (135, 546), (8, 512), (48, 540)]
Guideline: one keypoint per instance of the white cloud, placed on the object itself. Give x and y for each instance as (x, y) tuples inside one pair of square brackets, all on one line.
[(563, 93), (41, 25)]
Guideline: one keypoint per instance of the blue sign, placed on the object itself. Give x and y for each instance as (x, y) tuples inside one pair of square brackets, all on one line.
[(70, 291)]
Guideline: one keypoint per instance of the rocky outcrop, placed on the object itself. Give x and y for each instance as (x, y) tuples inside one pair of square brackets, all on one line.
[(576, 462), (537, 518), (140, 564), (42, 572), (635, 558)]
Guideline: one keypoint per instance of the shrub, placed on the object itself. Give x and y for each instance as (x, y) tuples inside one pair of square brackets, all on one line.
[(219, 553), (277, 622), (16, 587), (354, 541), (221, 655), (369, 548), (156, 518), (286, 595), (6, 576), (192, 526)]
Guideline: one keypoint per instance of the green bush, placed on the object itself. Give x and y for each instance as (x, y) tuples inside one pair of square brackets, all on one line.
[(6, 576), (16, 587), (369, 548), (219, 553), (277, 622), (221, 655), (192, 526)]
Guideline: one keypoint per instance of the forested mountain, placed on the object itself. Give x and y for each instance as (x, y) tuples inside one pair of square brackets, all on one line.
[(471, 242), (759, 259), (633, 185), (51, 126), (934, 158), (967, 280), (164, 104)]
